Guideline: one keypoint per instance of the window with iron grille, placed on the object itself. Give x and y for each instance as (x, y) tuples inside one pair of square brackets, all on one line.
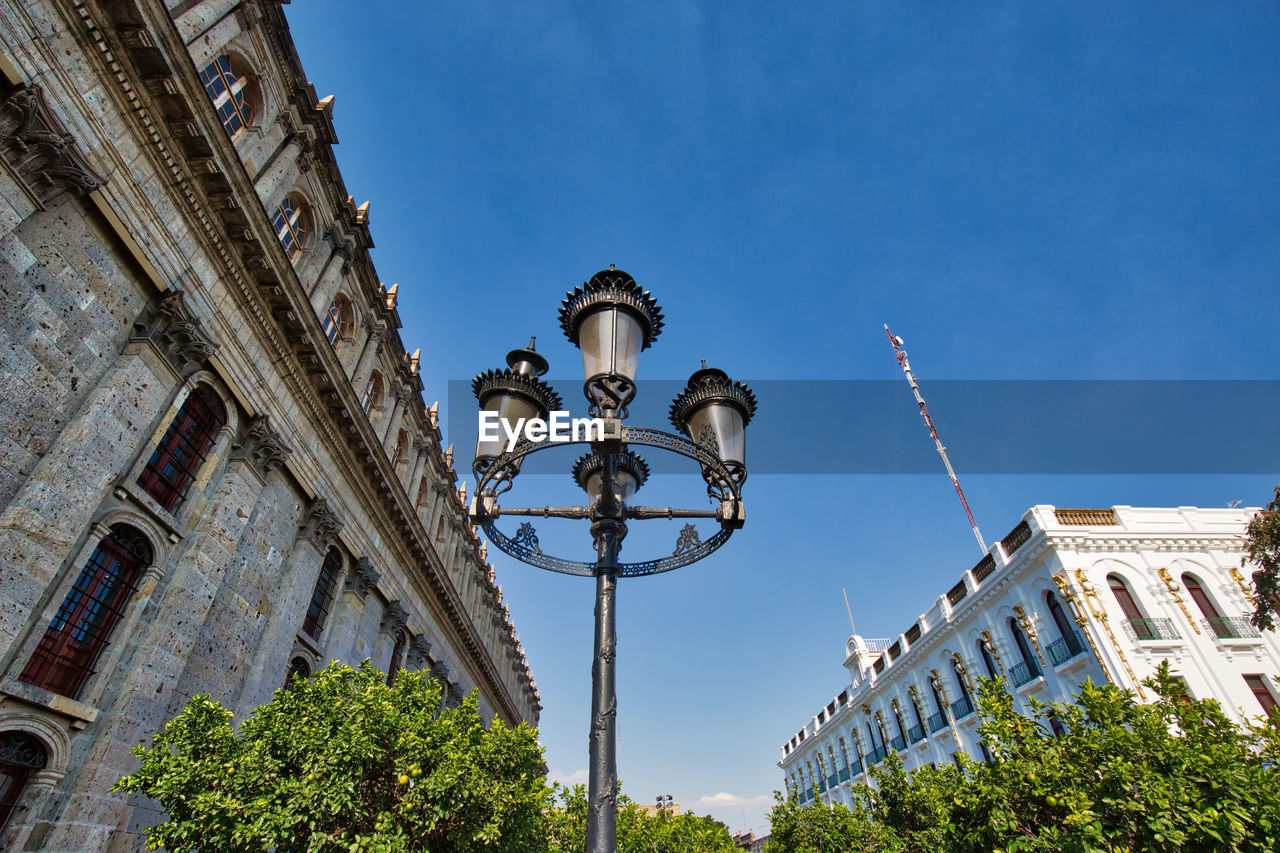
[(402, 444), (180, 453), (71, 644), (231, 91), (21, 755), (297, 666), (372, 393), (322, 595), (290, 223), (337, 320)]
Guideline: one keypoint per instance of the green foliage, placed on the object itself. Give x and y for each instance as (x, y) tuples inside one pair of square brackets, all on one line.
[(1176, 774), (343, 761), (639, 831), (1262, 549)]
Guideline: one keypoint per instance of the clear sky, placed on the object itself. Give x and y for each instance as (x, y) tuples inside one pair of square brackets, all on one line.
[(1022, 190)]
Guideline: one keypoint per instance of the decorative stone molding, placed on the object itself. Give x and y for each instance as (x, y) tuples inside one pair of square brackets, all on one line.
[(1025, 621), (419, 652), (363, 577), (395, 618), (177, 333), (1175, 590), (321, 524), (37, 149), (261, 446)]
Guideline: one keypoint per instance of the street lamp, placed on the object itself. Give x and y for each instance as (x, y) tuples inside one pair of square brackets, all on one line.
[(611, 320)]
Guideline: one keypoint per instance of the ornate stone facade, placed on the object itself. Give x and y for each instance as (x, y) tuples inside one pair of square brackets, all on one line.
[(216, 465)]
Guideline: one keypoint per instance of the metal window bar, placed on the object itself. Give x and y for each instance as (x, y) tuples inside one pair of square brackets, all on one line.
[(936, 722), (961, 708), (65, 655), (1063, 650), (180, 452), (322, 594), (1231, 627), (1023, 672), (915, 734), (1151, 629), (898, 742)]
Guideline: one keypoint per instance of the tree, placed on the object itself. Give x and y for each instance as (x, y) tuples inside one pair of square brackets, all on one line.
[(639, 831), (1176, 774), (1262, 548), (344, 761)]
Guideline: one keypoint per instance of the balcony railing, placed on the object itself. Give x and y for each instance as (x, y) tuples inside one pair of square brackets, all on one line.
[(1023, 672), (877, 755), (1231, 627), (855, 766), (822, 786), (844, 775), (1063, 650), (832, 781), (1017, 536), (961, 708), (898, 742), (985, 567), (1085, 516), (915, 734), (936, 722), (1151, 629)]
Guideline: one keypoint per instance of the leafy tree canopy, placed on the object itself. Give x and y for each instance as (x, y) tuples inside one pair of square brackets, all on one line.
[(639, 830), (1173, 775), (344, 761), (1262, 549)]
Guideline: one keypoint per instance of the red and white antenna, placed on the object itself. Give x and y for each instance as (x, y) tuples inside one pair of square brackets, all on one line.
[(933, 431)]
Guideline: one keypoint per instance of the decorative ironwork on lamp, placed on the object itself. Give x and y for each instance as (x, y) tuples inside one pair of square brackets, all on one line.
[(714, 411), (512, 394)]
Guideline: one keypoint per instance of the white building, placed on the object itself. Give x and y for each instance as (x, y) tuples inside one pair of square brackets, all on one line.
[(1069, 594)]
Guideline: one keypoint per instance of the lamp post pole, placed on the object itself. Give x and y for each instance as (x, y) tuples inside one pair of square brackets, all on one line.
[(602, 813), (611, 320)]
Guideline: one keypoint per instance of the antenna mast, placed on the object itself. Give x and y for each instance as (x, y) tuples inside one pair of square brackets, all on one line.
[(933, 431)]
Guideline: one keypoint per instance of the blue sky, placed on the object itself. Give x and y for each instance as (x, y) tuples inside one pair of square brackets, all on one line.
[(1023, 191)]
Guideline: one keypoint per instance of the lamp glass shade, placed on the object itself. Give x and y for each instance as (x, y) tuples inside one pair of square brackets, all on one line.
[(611, 340), (510, 408), (624, 485), (724, 422)]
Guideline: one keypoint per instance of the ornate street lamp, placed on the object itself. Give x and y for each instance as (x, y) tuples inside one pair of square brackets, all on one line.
[(611, 320)]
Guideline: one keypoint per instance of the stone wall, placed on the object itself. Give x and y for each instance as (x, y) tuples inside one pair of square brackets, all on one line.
[(139, 264)]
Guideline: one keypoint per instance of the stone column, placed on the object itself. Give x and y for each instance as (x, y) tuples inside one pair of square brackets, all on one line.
[(390, 433), (345, 641), (368, 357), (270, 183), (329, 282), (316, 534)]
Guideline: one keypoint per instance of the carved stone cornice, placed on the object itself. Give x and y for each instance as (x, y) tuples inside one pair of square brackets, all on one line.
[(321, 525), (363, 577), (395, 618), (419, 653), (177, 333), (261, 446), (37, 149)]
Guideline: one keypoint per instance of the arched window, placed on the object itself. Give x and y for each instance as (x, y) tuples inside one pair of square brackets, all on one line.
[(987, 660), (1200, 597), (291, 222), (338, 320), (402, 445), (963, 706), (397, 655), (20, 756), (1060, 651), (297, 666), (915, 709), (899, 742), (231, 91), (1141, 627), (420, 502), (322, 595), (180, 453), (66, 653), (372, 395), (1027, 668)]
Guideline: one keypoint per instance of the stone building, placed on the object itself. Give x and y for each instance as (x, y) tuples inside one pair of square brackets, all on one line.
[(216, 466), (1069, 594)]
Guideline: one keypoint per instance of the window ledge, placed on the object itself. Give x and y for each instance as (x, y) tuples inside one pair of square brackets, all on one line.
[(55, 702)]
